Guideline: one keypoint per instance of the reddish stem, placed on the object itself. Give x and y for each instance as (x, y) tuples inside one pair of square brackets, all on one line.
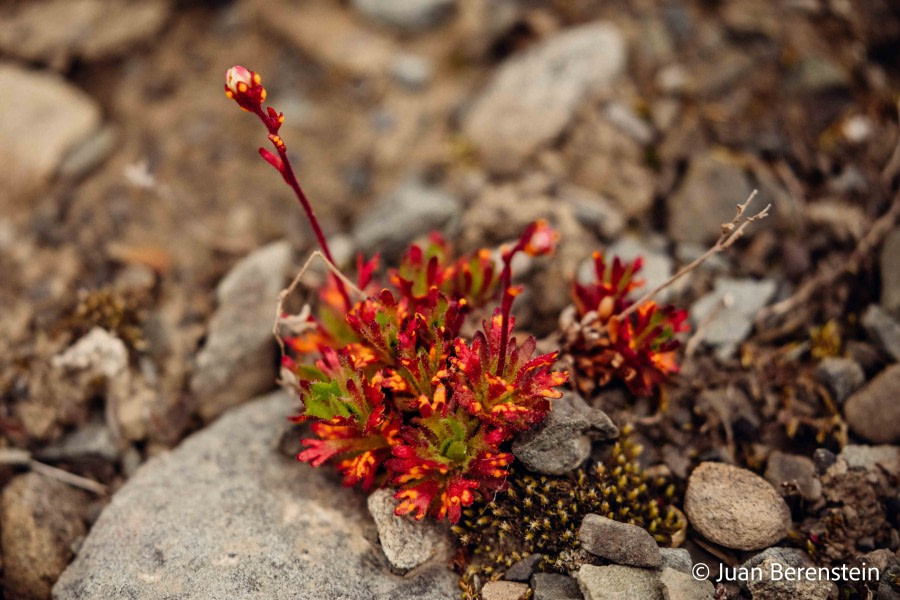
[(287, 171), (506, 305)]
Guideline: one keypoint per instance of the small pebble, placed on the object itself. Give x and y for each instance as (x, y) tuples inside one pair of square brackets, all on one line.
[(873, 412), (621, 543), (523, 569), (504, 590), (553, 586), (842, 376), (794, 470)]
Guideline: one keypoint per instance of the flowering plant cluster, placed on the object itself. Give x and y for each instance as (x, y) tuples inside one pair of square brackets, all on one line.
[(618, 338), (396, 393)]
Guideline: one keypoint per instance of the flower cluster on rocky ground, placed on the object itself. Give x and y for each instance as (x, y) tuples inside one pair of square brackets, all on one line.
[(395, 391)]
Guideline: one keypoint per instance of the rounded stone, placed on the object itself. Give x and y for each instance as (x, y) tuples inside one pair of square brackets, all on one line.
[(873, 412), (735, 508)]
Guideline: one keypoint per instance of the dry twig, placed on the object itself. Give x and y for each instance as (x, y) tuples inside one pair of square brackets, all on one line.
[(282, 297), (829, 272), (731, 232), (22, 458)]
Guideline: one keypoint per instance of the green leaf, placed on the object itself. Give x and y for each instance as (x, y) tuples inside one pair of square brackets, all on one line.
[(325, 401), (456, 451)]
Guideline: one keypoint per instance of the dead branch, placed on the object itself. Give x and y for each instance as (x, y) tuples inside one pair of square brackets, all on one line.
[(22, 458), (829, 272), (731, 232), (282, 297)]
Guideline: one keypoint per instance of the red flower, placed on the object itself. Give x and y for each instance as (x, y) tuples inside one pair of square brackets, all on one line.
[(245, 87)]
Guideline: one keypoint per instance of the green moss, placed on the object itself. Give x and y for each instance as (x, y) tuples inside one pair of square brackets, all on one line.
[(539, 514)]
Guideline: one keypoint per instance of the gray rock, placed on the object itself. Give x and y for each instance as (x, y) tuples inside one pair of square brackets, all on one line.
[(682, 586), (41, 519), (98, 353), (713, 187), (522, 570), (882, 559), (726, 313), (412, 210), (58, 31), (87, 156), (615, 582), (411, 71), (817, 74), (735, 508), (762, 586), (676, 558), (238, 360), (882, 330), (890, 273), (873, 412), (504, 590), (594, 211), (43, 120), (92, 441), (796, 471), (822, 459), (559, 445), (406, 15), (406, 543), (886, 591), (872, 458), (533, 96), (621, 543), (842, 376), (225, 515), (553, 586), (624, 118)]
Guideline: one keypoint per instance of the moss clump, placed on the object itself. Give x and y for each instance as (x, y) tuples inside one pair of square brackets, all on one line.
[(122, 313), (539, 514)]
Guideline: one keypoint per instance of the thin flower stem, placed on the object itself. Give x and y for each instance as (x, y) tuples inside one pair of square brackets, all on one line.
[(506, 305), (730, 234), (287, 171)]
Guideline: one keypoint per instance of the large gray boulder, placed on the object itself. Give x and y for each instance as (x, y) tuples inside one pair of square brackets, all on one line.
[(226, 515)]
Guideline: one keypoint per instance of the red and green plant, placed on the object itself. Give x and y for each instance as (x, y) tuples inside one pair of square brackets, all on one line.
[(618, 339), (396, 394)]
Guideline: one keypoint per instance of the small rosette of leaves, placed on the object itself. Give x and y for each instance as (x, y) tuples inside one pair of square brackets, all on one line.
[(405, 400), (637, 349), (516, 399)]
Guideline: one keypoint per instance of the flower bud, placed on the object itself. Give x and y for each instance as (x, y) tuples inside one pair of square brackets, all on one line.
[(244, 87), (542, 239)]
